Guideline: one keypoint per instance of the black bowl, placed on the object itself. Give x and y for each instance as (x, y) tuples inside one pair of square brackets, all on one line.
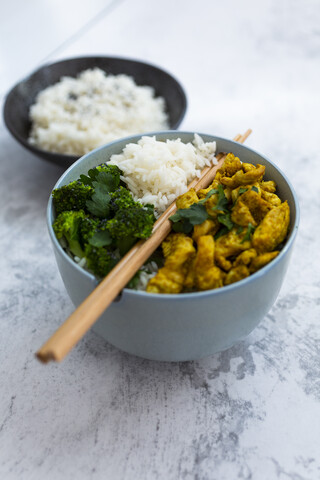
[(22, 95)]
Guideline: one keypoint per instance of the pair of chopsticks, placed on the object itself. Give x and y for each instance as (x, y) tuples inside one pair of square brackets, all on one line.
[(82, 319)]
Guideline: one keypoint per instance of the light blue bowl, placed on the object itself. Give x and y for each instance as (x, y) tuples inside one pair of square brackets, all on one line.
[(186, 326)]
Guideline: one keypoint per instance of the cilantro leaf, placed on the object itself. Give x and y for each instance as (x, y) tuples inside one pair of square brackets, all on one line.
[(222, 231), (250, 231), (107, 179), (239, 229), (242, 190), (183, 226), (209, 194), (196, 214), (101, 238), (99, 203), (225, 219), (255, 189), (88, 179), (222, 204)]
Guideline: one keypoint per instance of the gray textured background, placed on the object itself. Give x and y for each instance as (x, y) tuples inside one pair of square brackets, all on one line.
[(251, 412)]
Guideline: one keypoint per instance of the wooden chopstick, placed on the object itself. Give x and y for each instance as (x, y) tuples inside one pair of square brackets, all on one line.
[(82, 319)]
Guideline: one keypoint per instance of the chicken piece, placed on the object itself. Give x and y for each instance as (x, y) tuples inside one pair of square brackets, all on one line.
[(204, 191), (178, 249), (210, 204), (269, 186), (207, 275), (230, 245), (187, 199), (245, 257), (236, 273), (244, 178), (241, 214), (237, 192), (190, 278), (210, 226), (228, 193), (258, 208), (271, 198), (262, 260), (230, 166), (246, 167), (272, 230)]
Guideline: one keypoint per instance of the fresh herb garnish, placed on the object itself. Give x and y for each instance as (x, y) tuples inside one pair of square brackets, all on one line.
[(209, 194), (225, 219), (222, 204), (255, 189), (91, 177), (249, 232), (99, 203), (221, 232), (242, 190), (101, 238), (194, 215)]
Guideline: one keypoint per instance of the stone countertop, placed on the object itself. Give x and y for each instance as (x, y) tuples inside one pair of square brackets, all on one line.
[(251, 412)]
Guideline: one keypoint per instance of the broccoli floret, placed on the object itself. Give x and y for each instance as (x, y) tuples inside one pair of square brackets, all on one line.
[(88, 228), (94, 231), (122, 198), (99, 260), (71, 197), (131, 222), (67, 226)]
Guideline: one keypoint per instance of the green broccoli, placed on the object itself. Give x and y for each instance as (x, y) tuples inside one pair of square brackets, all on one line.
[(94, 231), (131, 222), (122, 198), (73, 196), (67, 226), (88, 228), (99, 260)]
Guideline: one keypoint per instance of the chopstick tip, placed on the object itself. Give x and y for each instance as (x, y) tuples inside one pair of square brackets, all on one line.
[(45, 357)]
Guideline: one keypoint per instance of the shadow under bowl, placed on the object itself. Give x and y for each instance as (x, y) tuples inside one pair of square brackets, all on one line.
[(187, 326), (23, 94)]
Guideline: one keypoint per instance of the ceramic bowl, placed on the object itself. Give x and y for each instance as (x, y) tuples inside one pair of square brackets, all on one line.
[(22, 95), (192, 325)]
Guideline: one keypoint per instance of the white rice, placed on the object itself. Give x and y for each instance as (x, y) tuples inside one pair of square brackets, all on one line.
[(76, 115), (158, 172)]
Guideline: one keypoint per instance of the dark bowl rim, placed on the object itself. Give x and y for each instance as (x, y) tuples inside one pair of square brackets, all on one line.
[(73, 158), (192, 295)]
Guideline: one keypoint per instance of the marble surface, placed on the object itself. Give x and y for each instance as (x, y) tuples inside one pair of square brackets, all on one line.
[(251, 412)]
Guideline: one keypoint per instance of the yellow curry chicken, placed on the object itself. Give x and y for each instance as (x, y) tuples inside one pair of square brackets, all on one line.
[(224, 233)]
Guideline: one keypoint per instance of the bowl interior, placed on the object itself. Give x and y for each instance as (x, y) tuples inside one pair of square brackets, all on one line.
[(22, 96), (103, 154)]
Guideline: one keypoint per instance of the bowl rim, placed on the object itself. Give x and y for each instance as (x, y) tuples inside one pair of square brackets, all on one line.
[(26, 78), (190, 295)]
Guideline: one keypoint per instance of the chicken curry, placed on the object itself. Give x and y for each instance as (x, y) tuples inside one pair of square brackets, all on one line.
[(224, 233)]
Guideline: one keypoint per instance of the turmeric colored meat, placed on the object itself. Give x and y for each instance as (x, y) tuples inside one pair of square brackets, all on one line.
[(207, 275), (230, 245), (250, 208), (187, 199), (262, 260), (208, 226), (272, 230), (246, 223), (178, 249), (236, 273), (244, 178)]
